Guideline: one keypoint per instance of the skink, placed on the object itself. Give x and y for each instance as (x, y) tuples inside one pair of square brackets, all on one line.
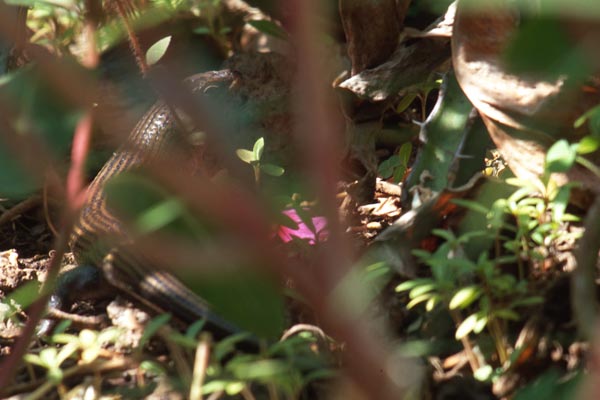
[(99, 235)]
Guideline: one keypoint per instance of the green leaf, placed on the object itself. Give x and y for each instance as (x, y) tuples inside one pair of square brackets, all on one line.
[(444, 234), (432, 302), (465, 297), (528, 301), (259, 147), (246, 156), (152, 367), (466, 326), (24, 295), (153, 326), (159, 215), (157, 50), (421, 289), (387, 167), (408, 285), (271, 169), (405, 102), (404, 153), (399, 173), (481, 323), (588, 144), (418, 300), (560, 157), (505, 313), (269, 27)]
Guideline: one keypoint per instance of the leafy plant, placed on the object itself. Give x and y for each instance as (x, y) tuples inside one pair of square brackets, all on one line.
[(488, 295), (525, 228), (254, 158), (88, 344), (396, 166)]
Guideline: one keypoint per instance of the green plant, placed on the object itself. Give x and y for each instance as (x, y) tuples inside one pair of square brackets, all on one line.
[(525, 229), (395, 167), (477, 294), (421, 92), (88, 344), (254, 158)]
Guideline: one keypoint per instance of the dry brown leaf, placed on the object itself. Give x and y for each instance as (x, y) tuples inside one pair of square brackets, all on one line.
[(524, 114)]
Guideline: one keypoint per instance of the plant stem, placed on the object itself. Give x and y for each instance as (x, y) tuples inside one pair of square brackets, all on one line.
[(498, 337), (473, 361)]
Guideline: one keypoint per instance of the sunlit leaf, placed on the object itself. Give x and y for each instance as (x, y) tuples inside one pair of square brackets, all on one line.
[(157, 50), (432, 302), (560, 157), (259, 147), (245, 155), (465, 297), (421, 289), (418, 300), (588, 144), (408, 285), (480, 324), (466, 326)]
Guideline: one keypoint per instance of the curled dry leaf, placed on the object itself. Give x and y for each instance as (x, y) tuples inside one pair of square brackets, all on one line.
[(409, 65), (525, 111)]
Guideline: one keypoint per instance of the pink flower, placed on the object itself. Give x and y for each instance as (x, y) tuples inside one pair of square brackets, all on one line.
[(315, 234)]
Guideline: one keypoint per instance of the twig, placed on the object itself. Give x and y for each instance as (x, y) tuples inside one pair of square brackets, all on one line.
[(76, 318), (19, 209), (200, 365)]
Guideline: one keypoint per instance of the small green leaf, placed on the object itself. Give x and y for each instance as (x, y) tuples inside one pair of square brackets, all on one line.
[(269, 27), (466, 326), (157, 50), (202, 30), (259, 147), (481, 323), (399, 173), (273, 170), (408, 285), (444, 234), (464, 297), (588, 144), (560, 157), (246, 156), (152, 368), (418, 300), (528, 301), (153, 326), (387, 167), (505, 313), (404, 153), (421, 289), (432, 302), (405, 102)]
